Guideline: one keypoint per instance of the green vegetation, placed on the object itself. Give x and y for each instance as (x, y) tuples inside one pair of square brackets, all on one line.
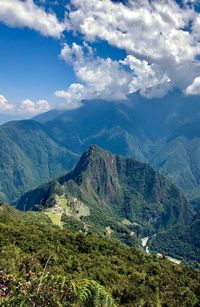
[(55, 218), (104, 189), (29, 157), (52, 290), (166, 135), (42, 264), (182, 242), (179, 159)]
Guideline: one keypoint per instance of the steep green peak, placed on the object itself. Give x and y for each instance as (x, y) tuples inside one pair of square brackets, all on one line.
[(95, 150), (115, 187), (98, 161), (94, 157)]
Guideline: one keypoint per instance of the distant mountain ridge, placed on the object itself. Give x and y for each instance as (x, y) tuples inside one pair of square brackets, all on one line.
[(163, 132)]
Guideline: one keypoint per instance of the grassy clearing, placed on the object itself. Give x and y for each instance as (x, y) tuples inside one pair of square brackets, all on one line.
[(55, 218)]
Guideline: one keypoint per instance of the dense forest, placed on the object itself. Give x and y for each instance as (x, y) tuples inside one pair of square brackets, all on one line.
[(181, 241), (43, 265)]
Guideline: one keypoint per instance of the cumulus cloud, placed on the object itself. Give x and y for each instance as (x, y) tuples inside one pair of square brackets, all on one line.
[(161, 40), (194, 88), (73, 96), (5, 106), (148, 79), (100, 78), (26, 107), (17, 13), (108, 79), (104, 78), (145, 28)]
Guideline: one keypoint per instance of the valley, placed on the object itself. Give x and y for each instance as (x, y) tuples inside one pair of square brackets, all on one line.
[(166, 135), (117, 197), (100, 153), (108, 195), (158, 255)]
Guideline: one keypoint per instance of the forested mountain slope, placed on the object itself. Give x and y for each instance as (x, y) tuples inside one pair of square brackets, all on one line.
[(163, 132), (28, 157), (42, 263), (105, 190)]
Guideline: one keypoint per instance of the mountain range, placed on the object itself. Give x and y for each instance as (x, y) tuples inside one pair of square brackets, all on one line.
[(78, 202), (163, 132), (115, 196)]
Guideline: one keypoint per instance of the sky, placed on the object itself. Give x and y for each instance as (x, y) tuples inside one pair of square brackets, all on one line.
[(57, 53)]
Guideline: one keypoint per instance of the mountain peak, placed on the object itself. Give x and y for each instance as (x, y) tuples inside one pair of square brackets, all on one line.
[(93, 157), (119, 186), (95, 149)]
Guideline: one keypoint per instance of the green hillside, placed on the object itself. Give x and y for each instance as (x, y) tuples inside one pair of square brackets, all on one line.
[(179, 159), (28, 157), (43, 264), (164, 133), (123, 198), (182, 242)]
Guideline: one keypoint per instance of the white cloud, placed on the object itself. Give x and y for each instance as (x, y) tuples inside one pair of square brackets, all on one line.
[(108, 79), (73, 95), (146, 28), (148, 79), (17, 13), (161, 40), (26, 107), (5, 106), (100, 78), (194, 88)]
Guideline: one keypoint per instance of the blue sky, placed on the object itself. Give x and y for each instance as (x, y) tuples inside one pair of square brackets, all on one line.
[(54, 53), (30, 65)]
